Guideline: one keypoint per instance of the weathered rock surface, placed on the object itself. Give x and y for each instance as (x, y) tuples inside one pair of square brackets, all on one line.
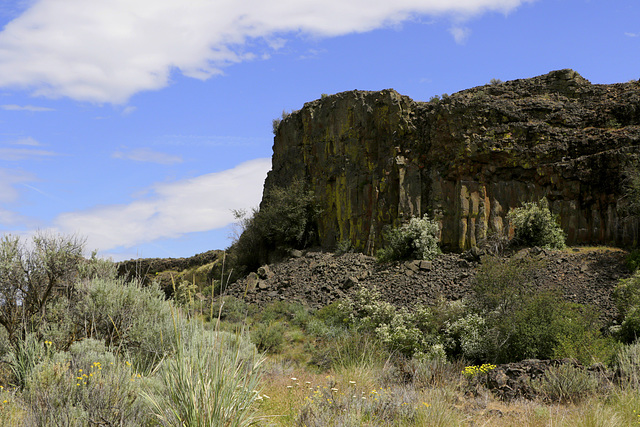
[(375, 158), (318, 278)]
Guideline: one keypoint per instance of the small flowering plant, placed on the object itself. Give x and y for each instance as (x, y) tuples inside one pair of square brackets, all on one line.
[(477, 375), (475, 370)]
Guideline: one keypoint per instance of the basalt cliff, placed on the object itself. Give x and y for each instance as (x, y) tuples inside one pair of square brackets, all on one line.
[(377, 158)]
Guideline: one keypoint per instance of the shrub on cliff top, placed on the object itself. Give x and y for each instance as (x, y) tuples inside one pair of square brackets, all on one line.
[(535, 225), (417, 239)]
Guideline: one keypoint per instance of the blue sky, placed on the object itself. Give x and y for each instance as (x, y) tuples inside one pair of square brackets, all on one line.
[(140, 124)]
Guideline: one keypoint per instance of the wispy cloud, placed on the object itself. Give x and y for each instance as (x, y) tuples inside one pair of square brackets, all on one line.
[(460, 34), (31, 108), (128, 110), (21, 149), (632, 34), (106, 51), (148, 156), (9, 180), (28, 141), (174, 209)]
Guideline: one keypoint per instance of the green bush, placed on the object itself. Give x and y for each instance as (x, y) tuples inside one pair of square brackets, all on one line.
[(410, 332), (268, 337), (502, 284), (633, 260), (627, 298), (286, 220), (535, 225), (87, 385), (522, 322), (417, 239), (128, 317)]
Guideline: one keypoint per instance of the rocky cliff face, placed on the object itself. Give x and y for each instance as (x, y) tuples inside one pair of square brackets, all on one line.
[(377, 158)]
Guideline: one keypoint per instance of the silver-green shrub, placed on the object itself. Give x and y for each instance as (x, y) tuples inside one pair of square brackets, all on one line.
[(535, 225), (128, 317), (416, 239), (87, 385)]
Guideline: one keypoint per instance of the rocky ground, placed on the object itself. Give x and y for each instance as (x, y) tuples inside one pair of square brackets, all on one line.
[(315, 278)]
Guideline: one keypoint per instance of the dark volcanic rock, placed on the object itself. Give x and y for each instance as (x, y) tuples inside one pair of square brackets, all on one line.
[(317, 278), (376, 158)]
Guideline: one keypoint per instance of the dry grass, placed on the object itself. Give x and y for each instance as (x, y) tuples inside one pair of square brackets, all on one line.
[(299, 397)]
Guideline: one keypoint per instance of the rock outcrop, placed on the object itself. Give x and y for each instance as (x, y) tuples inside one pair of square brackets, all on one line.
[(315, 279), (377, 158)]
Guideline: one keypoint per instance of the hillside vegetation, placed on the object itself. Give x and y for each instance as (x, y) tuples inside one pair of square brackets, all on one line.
[(81, 346)]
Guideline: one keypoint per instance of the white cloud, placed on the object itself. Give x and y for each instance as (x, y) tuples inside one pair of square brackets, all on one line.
[(460, 34), (148, 156), (191, 205), (128, 110), (632, 34), (28, 141), (9, 179), (106, 51), (15, 154), (32, 108)]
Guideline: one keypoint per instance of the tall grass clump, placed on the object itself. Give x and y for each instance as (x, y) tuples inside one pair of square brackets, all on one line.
[(627, 365), (213, 379), (417, 239), (565, 383)]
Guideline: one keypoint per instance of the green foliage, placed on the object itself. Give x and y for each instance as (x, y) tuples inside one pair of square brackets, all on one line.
[(286, 220), (410, 332), (417, 239), (87, 385), (32, 275), (494, 82), (128, 317), (627, 365), (633, 260), (349, 349), (276, 122), (565, 383), (213, 380), (230, 309), (503, 283), (268, 337), (343, 246), (522, 323), (627, 298), (25, 356), (534, 225)]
